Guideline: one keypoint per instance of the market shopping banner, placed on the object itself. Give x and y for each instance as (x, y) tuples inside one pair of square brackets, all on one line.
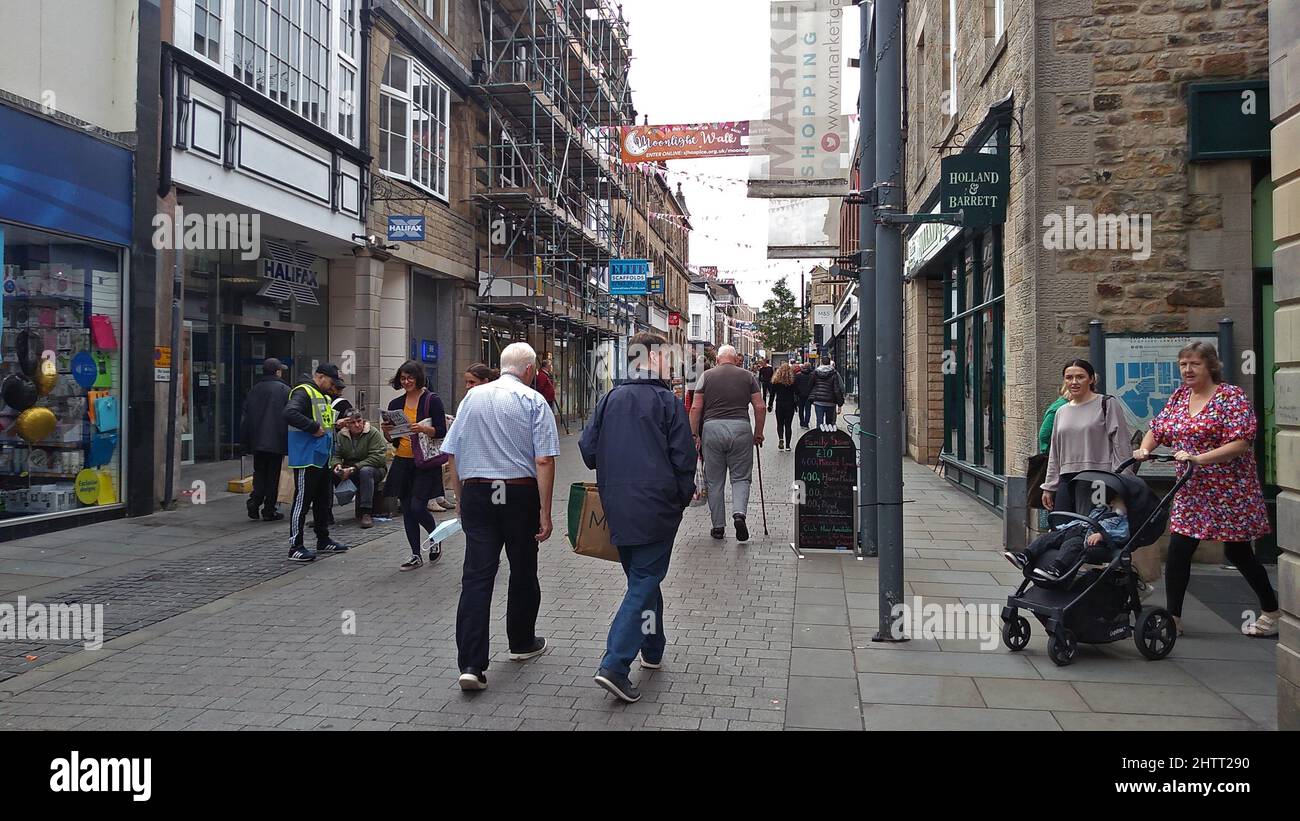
[(651, 143)]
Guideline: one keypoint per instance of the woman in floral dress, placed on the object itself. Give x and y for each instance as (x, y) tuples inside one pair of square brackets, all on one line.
[(1212, 425)]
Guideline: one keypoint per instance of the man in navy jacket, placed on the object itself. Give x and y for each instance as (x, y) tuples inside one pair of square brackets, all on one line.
[(639, 442)]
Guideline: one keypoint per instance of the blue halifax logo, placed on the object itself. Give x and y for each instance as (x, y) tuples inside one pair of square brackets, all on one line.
[(406, 228)]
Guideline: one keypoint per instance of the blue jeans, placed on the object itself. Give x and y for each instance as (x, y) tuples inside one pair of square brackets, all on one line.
[(639, 623), (825, 415), (805, 412)]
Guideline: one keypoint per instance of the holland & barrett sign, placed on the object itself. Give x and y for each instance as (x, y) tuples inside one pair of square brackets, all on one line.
[(977, 185)]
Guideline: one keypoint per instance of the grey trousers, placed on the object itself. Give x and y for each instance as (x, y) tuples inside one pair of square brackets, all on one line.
[(728, 449)]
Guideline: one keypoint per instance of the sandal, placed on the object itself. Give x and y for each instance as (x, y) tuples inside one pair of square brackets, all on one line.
[(1263, 627)]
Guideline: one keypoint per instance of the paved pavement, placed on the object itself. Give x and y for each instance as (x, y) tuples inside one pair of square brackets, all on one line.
[(216, 632)]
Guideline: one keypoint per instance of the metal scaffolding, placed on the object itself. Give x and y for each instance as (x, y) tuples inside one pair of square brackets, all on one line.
[(551, 186)]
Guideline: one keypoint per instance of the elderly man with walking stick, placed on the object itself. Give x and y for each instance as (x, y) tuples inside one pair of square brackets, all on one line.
[(720, 423)]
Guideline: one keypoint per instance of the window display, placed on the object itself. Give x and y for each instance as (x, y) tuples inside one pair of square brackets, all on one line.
[(60, 374)]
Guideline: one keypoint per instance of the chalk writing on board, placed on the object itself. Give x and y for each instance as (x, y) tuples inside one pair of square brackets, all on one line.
[(826, 462)]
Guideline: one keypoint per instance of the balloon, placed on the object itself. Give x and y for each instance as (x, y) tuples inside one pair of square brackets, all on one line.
[(47, 377), (29, 351), (18, 392), (35, 424)]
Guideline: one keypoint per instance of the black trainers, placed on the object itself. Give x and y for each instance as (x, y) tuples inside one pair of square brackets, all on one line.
[(618, 685), (273, 516), (742, 529), (412, 563), (718, 533), (471, 678), (537, 649), (302, 554), (1050, 573), (331, 547), (1017, 559), (435, 553), (252, 512), (646, 664)]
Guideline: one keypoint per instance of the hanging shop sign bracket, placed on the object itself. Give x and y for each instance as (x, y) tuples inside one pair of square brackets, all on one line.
[(949, 218)]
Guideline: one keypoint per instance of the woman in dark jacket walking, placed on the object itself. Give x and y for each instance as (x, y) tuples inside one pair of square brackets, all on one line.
[(803, 385), (413, 486), (827, 393), (783, 396)]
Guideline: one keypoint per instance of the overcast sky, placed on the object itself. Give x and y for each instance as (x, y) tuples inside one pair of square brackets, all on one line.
[(696, 61)]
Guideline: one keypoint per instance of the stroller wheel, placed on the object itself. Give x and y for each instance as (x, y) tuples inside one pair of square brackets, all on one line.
[(1015, 633), (1156, 634), (1062, 647)]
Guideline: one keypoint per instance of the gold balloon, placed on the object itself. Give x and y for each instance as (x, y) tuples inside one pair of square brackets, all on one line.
[(47, 376), (34, 424)]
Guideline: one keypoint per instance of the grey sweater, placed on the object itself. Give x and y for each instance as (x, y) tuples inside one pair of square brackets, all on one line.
[(1082, 439)]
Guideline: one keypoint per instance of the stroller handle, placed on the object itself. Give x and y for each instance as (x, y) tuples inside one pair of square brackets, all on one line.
[(1136, 464)]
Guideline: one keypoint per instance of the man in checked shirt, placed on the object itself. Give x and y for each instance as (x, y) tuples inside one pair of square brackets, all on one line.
[(503, 447)]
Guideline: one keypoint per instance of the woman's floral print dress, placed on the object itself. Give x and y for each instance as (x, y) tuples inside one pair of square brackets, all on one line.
[(1222, 502)]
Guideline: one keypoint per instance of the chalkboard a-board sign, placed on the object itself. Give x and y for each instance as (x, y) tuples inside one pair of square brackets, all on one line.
[(825, 469)]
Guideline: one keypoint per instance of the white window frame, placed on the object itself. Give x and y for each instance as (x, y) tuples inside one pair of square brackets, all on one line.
[(697, 326), (418, 71), (327, 77), (348, 61), (951, 27), (431, 9), (220, 16), (999, 18)]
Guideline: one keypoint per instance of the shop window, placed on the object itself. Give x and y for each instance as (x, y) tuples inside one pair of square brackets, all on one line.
[(973, 363), (415, 125), (62, 430)]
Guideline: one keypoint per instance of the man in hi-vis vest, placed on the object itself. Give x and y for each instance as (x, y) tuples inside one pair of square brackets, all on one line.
[(311, 441)]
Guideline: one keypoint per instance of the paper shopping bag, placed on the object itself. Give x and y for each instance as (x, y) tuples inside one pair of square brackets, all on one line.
[(588, 530), (284, 494)]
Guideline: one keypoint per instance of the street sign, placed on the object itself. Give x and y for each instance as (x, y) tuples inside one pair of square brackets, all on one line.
[(977, 185), (654, 285), (627, 277), (674, 318), (1228, 120)]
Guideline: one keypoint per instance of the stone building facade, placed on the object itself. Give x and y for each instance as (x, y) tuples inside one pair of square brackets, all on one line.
[(1284, 88), (1087, 101)]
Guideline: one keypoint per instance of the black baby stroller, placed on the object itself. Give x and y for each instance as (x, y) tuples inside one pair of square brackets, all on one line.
[(1098, 604)]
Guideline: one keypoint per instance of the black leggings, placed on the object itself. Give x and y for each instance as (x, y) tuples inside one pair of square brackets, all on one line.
[(785, 423), (1178, 571), (413, 489)]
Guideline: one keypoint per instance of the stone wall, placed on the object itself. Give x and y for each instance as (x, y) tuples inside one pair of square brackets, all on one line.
[(1284, 91)]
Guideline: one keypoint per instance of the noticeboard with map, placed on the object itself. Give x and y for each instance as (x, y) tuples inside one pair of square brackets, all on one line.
[(1142, 372)]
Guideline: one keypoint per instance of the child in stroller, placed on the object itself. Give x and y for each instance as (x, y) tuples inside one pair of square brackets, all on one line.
[(1072, 539)]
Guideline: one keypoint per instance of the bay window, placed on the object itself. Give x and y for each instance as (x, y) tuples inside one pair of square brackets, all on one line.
[(414, 125)]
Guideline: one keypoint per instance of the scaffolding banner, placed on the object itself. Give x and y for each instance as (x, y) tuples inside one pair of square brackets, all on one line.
[(651, 143), (806, 137)]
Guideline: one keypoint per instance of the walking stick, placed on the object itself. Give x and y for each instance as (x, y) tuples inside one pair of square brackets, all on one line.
[(762, 500)]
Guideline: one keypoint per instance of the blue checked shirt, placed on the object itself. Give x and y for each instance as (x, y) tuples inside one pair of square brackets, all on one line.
[(501, 428)]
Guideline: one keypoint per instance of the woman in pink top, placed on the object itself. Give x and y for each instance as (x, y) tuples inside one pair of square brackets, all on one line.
[(1212, 425)]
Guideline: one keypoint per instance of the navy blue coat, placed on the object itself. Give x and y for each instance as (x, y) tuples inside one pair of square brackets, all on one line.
[(639, 442)]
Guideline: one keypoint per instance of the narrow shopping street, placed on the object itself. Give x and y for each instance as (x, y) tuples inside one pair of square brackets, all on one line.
[(215, 631)]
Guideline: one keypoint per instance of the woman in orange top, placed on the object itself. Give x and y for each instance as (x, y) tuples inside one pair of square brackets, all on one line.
[(412, 486)]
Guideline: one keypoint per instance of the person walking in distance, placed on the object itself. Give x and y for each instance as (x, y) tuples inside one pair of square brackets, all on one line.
[(783, 397), (803, 385), (266, 437), (827, 393), (310, 443), (720, 423), (639, 443), (412, 485), (765, 372), (503, 446)]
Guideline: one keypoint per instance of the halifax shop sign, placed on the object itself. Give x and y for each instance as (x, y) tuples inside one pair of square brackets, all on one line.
[(976, 185)]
